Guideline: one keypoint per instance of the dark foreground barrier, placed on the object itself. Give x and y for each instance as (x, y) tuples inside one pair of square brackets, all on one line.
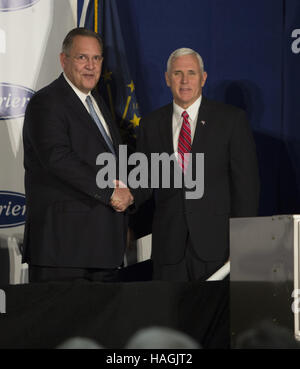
[(45, 315), (261, 315)]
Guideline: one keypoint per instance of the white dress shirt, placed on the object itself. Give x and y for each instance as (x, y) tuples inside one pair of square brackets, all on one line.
[(82, 96), (192, 111)]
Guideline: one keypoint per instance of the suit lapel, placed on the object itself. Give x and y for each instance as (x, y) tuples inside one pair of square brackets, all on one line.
[(202, 127), (112, 127), (74, 104), (165, 128)]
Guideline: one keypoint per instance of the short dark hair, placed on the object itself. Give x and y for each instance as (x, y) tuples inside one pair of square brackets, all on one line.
[(80, 31)]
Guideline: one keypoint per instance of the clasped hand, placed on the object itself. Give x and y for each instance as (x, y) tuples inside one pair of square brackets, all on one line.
[(122, 197)]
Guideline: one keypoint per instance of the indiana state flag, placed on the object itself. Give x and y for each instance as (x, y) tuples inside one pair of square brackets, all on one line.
[(116, 84)]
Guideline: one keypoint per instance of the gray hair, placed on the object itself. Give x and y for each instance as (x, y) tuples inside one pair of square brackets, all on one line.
[(161, 338), (76, 343), (184, 51)]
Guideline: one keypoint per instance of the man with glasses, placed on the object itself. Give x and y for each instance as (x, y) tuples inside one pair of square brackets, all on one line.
[(72, 231)]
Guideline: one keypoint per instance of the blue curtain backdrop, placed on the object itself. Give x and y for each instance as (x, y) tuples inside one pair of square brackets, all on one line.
[(252, 62)]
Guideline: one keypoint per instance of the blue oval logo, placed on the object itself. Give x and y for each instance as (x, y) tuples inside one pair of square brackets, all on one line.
[(12, 5), (12, 209), (13, 100)]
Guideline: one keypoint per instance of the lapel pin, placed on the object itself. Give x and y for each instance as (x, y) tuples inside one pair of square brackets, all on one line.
[(203, 122)]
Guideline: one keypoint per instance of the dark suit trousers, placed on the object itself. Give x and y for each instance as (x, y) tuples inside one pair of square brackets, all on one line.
[(56, 274), (190, 268)]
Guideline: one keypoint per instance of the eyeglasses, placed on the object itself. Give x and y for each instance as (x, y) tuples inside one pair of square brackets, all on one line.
[(84, 59)]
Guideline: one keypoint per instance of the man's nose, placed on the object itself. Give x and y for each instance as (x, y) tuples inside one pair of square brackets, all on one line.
[(184, 78), (90, 64)]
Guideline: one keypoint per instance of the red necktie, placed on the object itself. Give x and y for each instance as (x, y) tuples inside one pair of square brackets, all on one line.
[(184, 142)]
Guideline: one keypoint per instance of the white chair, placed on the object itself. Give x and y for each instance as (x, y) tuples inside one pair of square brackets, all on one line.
[(221, 273), (18, 272), (143, 246)]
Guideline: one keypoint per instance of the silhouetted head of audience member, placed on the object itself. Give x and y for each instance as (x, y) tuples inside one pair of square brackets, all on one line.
[(77, 343), (161, 338), (267, 335)]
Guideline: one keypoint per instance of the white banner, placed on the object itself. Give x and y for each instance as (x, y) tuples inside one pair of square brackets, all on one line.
[(31, 34)]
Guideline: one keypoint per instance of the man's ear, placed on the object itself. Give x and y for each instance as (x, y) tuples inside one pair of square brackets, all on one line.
[(62, 58), (204, 76), (167, 79)]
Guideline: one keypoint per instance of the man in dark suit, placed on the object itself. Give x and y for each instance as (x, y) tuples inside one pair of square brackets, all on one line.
[(190, 237), (72, 231)]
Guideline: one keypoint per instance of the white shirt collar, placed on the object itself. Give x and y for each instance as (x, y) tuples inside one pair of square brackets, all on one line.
[(192, 110), (82, 96)]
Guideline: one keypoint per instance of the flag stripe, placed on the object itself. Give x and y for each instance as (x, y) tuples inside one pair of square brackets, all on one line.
[(83, 15)]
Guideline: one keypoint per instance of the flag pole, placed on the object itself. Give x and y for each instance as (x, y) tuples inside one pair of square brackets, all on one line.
[(96, 16), (109, 93)]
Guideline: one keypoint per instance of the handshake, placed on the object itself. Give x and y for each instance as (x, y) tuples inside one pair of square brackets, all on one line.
[(122, 197)]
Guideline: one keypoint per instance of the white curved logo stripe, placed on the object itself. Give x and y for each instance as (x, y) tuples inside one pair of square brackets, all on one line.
[(14, 128), (2, 42), (14, 5)]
